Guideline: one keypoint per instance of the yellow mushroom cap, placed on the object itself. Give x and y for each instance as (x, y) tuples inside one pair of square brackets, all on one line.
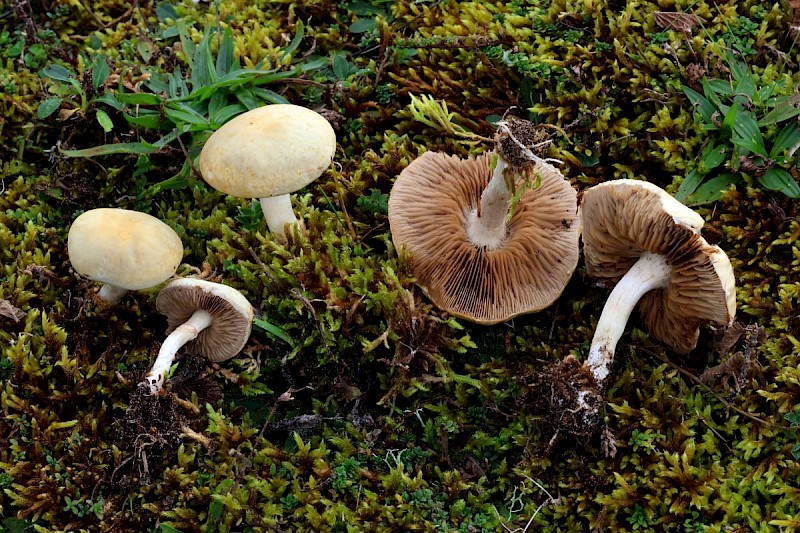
[(127, 249), (268, 151)]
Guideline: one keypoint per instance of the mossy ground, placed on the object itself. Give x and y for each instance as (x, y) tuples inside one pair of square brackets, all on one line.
[(382, 413)]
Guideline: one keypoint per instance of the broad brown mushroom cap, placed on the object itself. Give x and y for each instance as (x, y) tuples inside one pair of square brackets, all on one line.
[(428, 209), (623, 219), (232, 315)]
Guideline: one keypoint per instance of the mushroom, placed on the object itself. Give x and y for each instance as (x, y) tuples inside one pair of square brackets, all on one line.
[(268, 153), (647, 245), (470, 256), (126, 250), (214, 320)]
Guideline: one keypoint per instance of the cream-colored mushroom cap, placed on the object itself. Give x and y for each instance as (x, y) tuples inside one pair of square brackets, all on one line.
[(268, 151), (126, 249), (429, 205), (625, 219), (231, 315)]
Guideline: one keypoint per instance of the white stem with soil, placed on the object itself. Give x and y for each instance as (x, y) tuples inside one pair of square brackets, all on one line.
[(111, 294), (489, 228), (651, 271), (184, 333), (278, 213)]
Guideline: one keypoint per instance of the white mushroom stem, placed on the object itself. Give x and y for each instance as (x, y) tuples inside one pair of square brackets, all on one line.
[(278, 213), (651, 271), (184, 333), (489, 227), (111, 294)]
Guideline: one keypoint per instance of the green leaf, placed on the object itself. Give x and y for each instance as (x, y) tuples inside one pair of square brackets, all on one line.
[(108, 149), (57, 73), (747, 134), (166, 11), (376, 202), (783, 108), (721, 87), (703, 107), (225, 55), (147, 119), (100, 71), (177, 85), (139, 99), (746, 85), (203, 69), (217, 505), (363, 25), (178, 181), (712, 190), (272, 330), (777, 179), (787, 139), (110, 100), (712, 95), (104, 120), (295, 42), (186, 42), (341, 66), (184, 115), (247, 98), (235, 80), (48, 107), (713, 156), (739, 69), (225, 114), (269, 96), (217, 101), (729, 121), (689, 185)]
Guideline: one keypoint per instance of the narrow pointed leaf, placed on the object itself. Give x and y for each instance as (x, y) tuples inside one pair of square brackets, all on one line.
[(786, 140), (689, 185), (109, 149), (777, 179), (783, 108), (225, 54), (747, 134), (712, 190), (700, 104)]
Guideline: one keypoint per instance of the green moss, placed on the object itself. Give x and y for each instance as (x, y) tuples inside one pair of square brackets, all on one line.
[(357, 405)]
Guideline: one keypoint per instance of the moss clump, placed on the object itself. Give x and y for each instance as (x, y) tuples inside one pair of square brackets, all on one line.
[(357, 405)]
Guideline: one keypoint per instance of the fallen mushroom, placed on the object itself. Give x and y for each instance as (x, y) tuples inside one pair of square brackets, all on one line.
[(451, 217), (125, 250), (211, 319), (269, 153), (647, 245)]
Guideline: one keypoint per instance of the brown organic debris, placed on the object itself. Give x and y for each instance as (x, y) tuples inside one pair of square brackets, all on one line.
[(733, 373), (9, 311), (672, 20), (567, 397)]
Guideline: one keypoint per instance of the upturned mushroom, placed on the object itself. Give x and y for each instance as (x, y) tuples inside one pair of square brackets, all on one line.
[(269, 153), (125, 250), (647, 245), (471, 256), (211, 319)]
